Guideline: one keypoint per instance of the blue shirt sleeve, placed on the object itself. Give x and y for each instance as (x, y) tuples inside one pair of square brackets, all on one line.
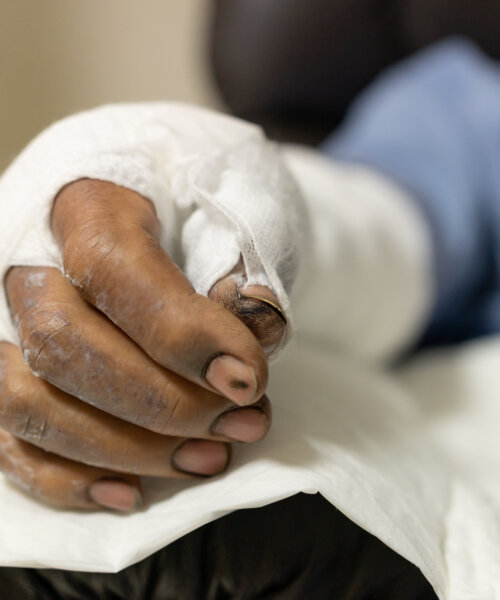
[(432, 124)]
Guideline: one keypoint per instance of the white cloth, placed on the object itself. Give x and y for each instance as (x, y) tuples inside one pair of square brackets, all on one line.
[(413, 457)]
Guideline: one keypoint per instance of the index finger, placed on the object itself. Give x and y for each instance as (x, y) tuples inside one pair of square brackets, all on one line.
[(108, 236)]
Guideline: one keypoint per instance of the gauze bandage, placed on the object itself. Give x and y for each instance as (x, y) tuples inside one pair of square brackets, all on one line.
[(220, 189)]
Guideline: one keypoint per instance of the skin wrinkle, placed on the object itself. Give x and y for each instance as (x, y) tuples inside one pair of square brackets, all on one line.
[(35, 355), (87, 284), (172, 410), (20, 417), (40, 307), (35, 431), (105, 266), (86, 193), (92, 235), (44, 429), (98, 246), (155, 413), (41, 313), (26, 426)]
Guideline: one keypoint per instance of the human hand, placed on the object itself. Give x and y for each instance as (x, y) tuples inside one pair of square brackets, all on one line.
[(129, 372)]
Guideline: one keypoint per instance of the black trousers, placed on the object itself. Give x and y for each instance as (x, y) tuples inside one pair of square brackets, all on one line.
[(299, 548)]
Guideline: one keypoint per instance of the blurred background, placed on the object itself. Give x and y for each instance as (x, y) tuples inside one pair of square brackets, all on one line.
[(291, 65), (62, 56)]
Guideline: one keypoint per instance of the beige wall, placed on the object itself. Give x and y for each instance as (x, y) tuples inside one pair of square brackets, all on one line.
[(60, 56)]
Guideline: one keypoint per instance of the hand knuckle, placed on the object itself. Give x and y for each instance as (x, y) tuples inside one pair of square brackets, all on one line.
[(88, 251), (43, 335), (18, 415), (30, 426), (172, 417)]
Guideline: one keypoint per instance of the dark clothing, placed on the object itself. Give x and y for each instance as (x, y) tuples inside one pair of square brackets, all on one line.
[(301, 548)]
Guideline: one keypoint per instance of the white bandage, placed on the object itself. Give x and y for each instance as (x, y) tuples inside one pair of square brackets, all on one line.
[(219, 187)]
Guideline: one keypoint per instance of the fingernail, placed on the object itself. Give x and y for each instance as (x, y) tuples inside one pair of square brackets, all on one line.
[(201, 457), (273, 305), (232, 379), (115, 494), (242, 425)]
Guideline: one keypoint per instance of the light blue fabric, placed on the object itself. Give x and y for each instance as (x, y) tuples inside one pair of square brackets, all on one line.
[(432, 123)]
